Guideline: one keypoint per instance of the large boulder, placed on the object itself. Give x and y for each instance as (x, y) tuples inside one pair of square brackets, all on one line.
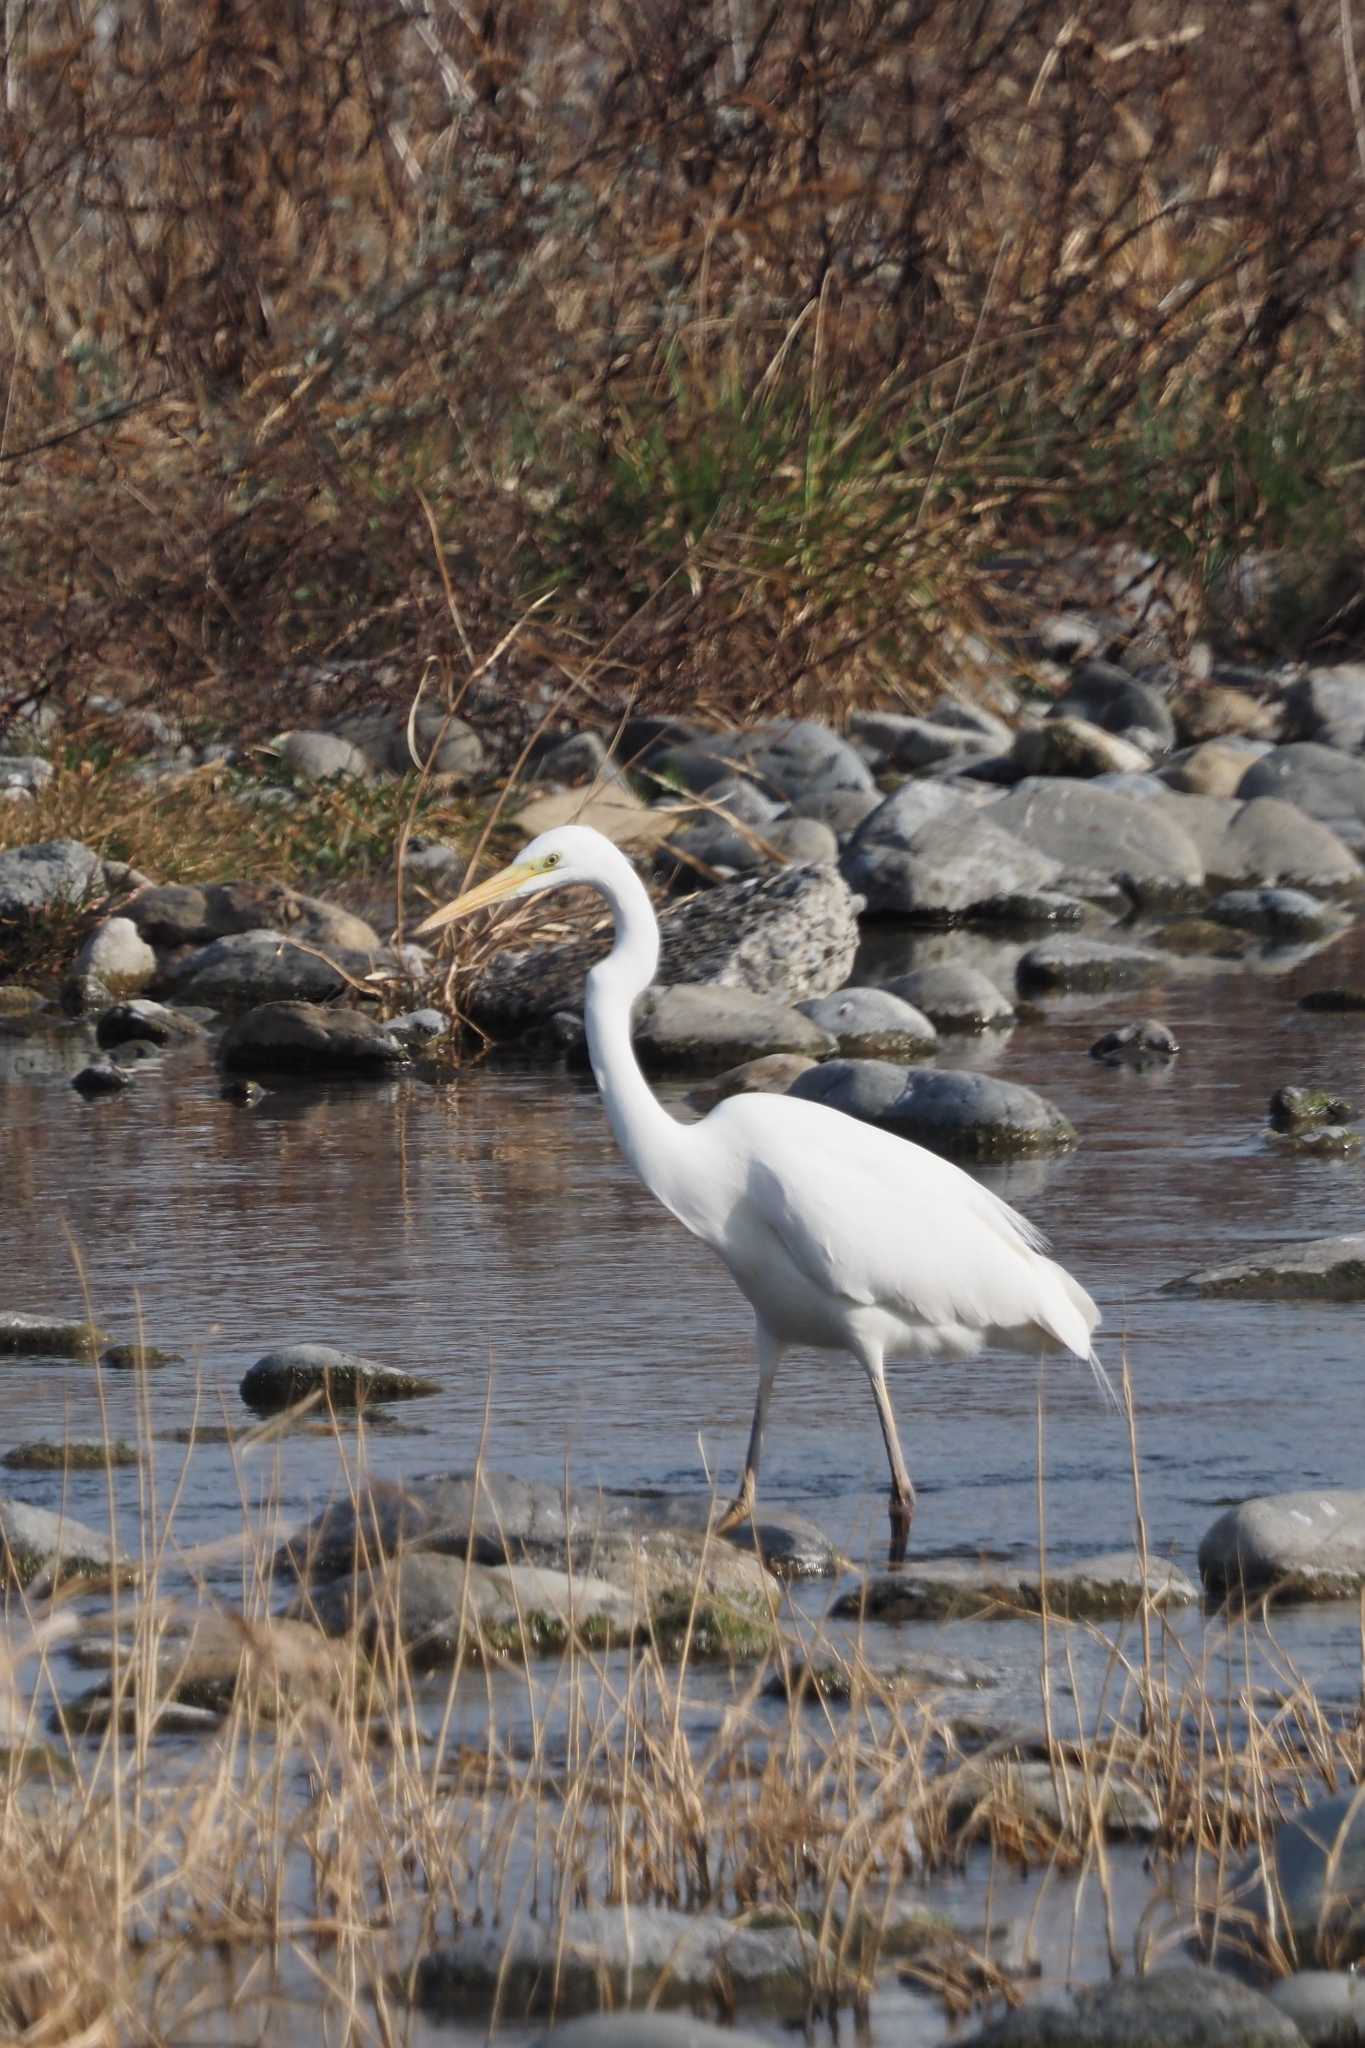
[(308, 1038), (1183, 2007), (938, 860), (955, 998), (965, 1115), (264, 967), (798, 757), (1329, 785), (1328, 705), (1318, 1269), (871, 1023), (34, 879), (790, 934), (1307, 1545), (117, 956), (1262, 840), (1089, 831)]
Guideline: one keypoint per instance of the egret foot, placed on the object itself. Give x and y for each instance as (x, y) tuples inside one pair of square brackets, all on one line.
[(741, 1508), (902, 1515)]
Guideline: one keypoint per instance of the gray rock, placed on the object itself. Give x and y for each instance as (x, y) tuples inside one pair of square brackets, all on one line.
[(1318, 1269), (177, 914), (1109, 697), (843, 810), (1275, 913), (949, 1589), (939, 868), (789, 1543), (1315, 1907), (646, 2030), (591, 1955), (138, 1357), (1148, 1043), (34, 879), (1183, 2007), (1327, 2006), (582, 757), (142, 1019), (771, 1075), (1309, 1545), (39, 1548), (264, 967), (1087, 830), (498, 1520), (803, 839), (306, 1038), (687, 1029), (1213, 768), (908, 744), (101, 1077), (119, 955), (343, 1378), (24, 1336), (972, 718), (450, 748), (966, 1115), (24, 772), (1328, 705), (795, 758), (1051, 1795), (954, 998), (443, 1608), (1327, 785), (871, 1023), (1263, 841), (416, 1028), (323, 757), (1073, 746), (790, 934), (1067, 964)]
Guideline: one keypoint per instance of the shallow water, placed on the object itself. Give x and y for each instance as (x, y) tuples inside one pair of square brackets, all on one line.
[(485, 1231)]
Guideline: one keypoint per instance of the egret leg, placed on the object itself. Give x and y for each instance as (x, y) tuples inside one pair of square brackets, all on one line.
[(769, 1353), (902, 1491)]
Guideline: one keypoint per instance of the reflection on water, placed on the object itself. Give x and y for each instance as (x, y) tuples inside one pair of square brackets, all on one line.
[(485, 1231)]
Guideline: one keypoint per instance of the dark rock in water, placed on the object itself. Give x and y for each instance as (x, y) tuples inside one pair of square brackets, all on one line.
[(1189, 937), (143, 1020), (939, 863), (1276, 913), (954, 998), (646, 2030), (138, 1358), (1298, 1109), (1342, 1001), (34, 879), (101, 1077), (305, 1038), (70, 1455), (1316, 1905), (1320, 1269), (872, 1023), (963, 1114), (946, 1590), (1183, 2007), (38, 1548), (1149, 1043), (771, 1075), (1319, 1141), (1310, 1546), (693, 1029), (1327, 785), (578, 1960), (1083, 965), (343, 1378), (246, 1094), (1327, 2006), (24, 1336), (789, 934), (1109, 697)]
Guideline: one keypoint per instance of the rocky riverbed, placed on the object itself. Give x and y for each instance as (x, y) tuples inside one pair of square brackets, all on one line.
[(285, 1199)]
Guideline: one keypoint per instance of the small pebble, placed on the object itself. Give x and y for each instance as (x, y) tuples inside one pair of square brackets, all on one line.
[(101, 1077)]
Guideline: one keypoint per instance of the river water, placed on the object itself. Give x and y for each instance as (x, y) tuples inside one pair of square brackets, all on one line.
[(483, 1230)]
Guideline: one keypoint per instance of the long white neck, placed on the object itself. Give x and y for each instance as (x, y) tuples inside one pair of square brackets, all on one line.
[(645, 1132)]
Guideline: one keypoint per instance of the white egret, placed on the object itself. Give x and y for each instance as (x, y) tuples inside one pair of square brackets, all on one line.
[(839, 1235)]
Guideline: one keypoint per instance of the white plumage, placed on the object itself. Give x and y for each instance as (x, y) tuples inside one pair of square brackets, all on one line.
[(839, 1235)]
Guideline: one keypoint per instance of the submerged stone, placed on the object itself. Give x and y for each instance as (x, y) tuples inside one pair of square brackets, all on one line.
[(1322, 1269), (1315, 1908), (1115, 1583), (343, 1378), (308, 1038), (964, 1114), (25, 1336), (1307, 1546), (1182, 2007)]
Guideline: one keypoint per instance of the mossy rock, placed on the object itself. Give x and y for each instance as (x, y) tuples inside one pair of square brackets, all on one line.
[(24, 1336), (79, 1456)]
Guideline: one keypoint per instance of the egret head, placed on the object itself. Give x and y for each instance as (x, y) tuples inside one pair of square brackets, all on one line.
[(571, 853)]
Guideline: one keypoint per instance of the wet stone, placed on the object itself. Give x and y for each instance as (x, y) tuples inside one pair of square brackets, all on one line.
[(962, 1114), (940, 862), (143, 1020), (1145, 1044), (246, 1094), (1113, 1584), (789, 1543), (1319, 1141), (1052, 1796), (647, 2030), (773, 1074), (872, 1023), (1327, 2006), (101, 1077), (1083, 965), (39, 1548), (1182, 2007), (342, 1378), (590, 1955), (1298, 1109), (954, 998), (1316, 1909), (1104, 832), (1335, 1001), (1308, 1546), (69, 1456), (1275, 913), (26, 1336), (34, 879), (689, 1029), (138, 1358), (305, 1038), (1321, 1269), (806, 1681)]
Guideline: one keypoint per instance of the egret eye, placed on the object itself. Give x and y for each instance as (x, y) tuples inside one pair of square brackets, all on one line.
[(552, 860)]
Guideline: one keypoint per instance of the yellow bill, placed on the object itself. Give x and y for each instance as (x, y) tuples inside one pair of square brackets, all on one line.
[(504, 883)]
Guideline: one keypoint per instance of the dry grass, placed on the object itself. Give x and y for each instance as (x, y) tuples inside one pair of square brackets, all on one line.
[(740, 337), (346, 1810)]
